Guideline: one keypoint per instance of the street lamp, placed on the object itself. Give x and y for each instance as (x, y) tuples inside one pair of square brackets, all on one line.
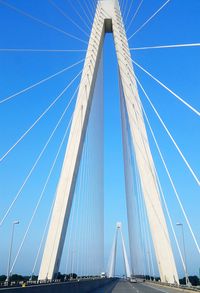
[(72, 263), (10, 251), (187, 281)]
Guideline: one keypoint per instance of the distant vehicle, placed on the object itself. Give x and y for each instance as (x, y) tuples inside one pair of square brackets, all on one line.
[(103, 275), (133, 280)]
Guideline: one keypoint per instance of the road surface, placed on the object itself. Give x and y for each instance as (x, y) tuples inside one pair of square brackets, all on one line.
[(123, 286), (104, 286)]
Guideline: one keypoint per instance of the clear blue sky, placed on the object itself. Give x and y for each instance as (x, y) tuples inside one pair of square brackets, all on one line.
[(179, 68)]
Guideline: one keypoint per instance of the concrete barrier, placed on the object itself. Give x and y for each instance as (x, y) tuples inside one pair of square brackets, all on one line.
[(82, 286)]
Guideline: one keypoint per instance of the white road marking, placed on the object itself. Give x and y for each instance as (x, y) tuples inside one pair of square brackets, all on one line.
[(137, 291)]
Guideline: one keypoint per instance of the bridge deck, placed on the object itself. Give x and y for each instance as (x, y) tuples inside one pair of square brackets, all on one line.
[(123, 286), (97, 286)]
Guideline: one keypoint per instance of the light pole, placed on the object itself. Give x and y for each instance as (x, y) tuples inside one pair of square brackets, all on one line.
[(72, 263), (10, 251), (187, 282)]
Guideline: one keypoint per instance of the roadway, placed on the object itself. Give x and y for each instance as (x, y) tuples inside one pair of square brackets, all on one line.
[(123, 286), (97, 286)]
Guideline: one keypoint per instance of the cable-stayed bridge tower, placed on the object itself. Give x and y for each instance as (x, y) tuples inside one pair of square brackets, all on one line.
[(112, 263), (108, 19)]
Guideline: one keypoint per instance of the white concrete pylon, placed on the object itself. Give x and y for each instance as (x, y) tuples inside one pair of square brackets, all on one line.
[(108, 19), (126, 263), (112, 264)]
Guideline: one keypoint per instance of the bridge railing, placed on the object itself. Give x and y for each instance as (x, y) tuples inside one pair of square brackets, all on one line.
[(47, 282), (184, 287)]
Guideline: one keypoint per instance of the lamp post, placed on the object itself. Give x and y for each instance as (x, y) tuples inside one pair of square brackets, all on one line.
[(10, 251), (187, 282), (72, 263)]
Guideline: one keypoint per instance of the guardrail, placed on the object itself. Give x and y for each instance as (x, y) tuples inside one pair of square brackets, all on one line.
[(73, 286), (36, 282), (184, 287)]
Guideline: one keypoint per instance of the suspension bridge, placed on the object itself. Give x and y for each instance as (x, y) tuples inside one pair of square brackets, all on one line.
[(96, 141)]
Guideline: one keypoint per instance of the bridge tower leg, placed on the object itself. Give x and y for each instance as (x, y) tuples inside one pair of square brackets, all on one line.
[(107, 19)]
